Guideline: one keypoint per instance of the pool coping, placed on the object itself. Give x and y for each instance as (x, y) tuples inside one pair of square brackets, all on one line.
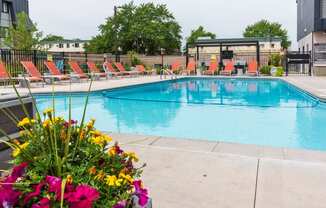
[(220, 147)]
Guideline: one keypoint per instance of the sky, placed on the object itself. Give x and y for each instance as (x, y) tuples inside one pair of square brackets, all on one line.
[(226, 18)]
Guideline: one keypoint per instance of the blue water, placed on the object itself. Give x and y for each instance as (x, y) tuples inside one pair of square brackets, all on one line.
[(249, 111)]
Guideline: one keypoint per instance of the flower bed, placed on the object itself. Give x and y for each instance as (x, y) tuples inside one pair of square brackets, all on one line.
[(65, 163)]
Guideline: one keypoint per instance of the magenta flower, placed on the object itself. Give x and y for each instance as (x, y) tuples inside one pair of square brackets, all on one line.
[(36, 193), (43, 203), (18, 171), (141, 193), (121, 204), (54, 185), (8, 197), (84, 196)]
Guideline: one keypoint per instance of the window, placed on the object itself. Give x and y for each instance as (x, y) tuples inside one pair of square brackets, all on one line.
[(272, 45), (68, 45), (76, 45), (60, 45), (5, 7), (50, 45), (262, 45), (322, 9)]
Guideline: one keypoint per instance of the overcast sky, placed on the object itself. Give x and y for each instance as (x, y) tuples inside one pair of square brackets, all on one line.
[(226, 18)]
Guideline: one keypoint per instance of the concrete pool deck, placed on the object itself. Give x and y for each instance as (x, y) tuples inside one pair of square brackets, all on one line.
[(193, 173)]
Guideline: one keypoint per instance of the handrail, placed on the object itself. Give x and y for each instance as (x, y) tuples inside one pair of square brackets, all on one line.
[(167, 72)]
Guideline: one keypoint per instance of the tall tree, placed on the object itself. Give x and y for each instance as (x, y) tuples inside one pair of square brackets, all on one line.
[(266, 29), (51, 37), (197, 33), (144, 29), (24, 35)]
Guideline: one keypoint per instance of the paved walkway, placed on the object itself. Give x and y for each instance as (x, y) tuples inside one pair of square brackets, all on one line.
[(185, 173)]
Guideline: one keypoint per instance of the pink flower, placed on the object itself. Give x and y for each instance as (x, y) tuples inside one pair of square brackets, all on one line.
[(18, 171), (84, 196), (8, 197), (121, 204), (54, 185), (43, 203), (36, 193), (141, 193)]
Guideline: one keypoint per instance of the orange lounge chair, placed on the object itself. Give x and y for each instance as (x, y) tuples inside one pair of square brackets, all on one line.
[(93, 69), (77, 70), (4, 76), (229, 67), (32, 71), (141, 69), (122, 69), (253, 68), (212, 69), (55, 72), (191, 68), (175, 68), (109, 69)]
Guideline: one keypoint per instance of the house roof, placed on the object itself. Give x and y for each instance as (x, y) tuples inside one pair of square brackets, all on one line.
[(236, 41), (65, 41)]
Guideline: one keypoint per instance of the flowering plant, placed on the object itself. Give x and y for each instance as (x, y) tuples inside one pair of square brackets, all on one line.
[(65, 163)]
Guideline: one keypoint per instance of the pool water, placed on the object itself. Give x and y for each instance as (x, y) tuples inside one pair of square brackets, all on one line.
[(250, 111)]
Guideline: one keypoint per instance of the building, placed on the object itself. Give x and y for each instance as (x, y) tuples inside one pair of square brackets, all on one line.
[(9, 11), (72, 46), (241, 51), (311, 34)]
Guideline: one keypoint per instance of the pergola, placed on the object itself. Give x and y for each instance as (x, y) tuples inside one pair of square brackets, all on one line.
[(221, 43)]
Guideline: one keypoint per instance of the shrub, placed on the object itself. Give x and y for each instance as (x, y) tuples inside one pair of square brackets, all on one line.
[(275, 60), (133, 56), (279, 71), (265, 70)]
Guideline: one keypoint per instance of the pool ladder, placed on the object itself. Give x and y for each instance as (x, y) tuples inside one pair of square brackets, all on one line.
[(165, 72)]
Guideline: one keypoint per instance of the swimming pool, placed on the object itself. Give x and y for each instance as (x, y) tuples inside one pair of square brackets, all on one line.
[(250, 111)]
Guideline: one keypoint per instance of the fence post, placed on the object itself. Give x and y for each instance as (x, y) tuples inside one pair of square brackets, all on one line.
[(34, 56), (63, 62)]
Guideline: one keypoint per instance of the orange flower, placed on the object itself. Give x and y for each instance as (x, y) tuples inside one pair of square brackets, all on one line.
[(92, 170)]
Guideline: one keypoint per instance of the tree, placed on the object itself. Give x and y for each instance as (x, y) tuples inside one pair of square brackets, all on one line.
[(50, 38), (266, 29), (199, 32), (144, 29), (24, 35)]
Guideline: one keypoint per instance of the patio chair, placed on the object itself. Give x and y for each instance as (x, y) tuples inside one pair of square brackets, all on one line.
[(191, 68), (55, 72), (94, 70), (33, 73), (175, 67), (229, 67), (212, 68), (141, 69), (78, 72), (109, 69), (122, 69), (4, 76), (253, 68)]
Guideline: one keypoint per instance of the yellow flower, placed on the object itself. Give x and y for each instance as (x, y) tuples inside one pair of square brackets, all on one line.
[(101, 140), (58, 119), (92, 170), (127, 178), (48, 111), (95, 133), (18, 150), (90, 124), (132, 156), (100, 176), (69, 179), (113, 181), (47, 123), (26, 122)]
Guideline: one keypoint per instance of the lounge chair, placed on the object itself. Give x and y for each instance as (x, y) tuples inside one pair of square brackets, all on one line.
[(33, 73), (191, 68), (122, 69), (109, 69), (94, 70), (229, 67), (4, 76), (55, 72), (141, 69), (175, 68), (212, 69), (253, 68), (77, 70)]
